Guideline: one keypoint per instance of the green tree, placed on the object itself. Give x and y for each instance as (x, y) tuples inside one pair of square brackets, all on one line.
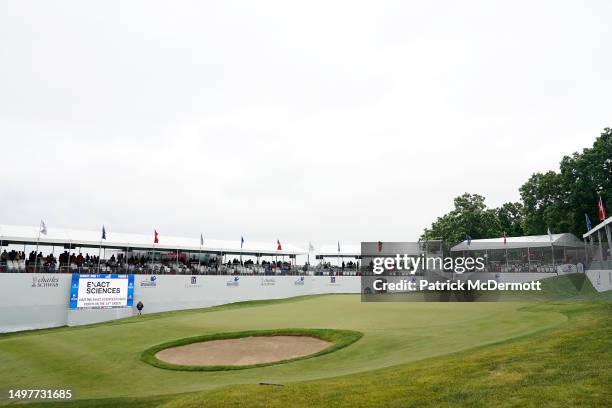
[(585, 176), (469, 217), (543, 203), (510, 216), (559, 201)]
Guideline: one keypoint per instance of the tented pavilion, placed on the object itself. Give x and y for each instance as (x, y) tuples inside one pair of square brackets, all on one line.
[(599, 244), (57, 240), (535, 253)]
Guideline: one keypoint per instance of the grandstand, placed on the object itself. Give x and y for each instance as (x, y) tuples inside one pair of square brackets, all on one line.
[(137, 253), (536, 253)]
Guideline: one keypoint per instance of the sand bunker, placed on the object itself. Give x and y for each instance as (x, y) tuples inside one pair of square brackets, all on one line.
[(243, 351)]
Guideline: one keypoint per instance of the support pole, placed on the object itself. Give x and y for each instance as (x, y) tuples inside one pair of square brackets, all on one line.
[(199, 258), (552, 250), (99, 253), (507, 269), (529, 258), (609, 236), (601, 257), (36, 253)]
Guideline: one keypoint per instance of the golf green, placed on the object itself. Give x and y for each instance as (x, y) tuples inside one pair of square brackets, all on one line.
[(103, 361)]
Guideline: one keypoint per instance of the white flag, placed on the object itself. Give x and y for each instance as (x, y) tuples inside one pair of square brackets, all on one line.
[(310, 247), (43, 228)]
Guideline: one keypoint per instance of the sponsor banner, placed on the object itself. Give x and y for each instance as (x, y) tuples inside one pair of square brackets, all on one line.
[(148, 282), (193, 282), (101, 291), (235, 281), (268, 281), (299, 281), (45, 281), (332, 281)]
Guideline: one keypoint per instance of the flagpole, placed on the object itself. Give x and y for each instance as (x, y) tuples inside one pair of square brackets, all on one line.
[(36, 254), (200, 253), (529, 258), (99, 252), (552, 250), (507, 270)]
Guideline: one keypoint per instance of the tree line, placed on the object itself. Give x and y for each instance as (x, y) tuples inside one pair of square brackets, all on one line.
[(555, 200)]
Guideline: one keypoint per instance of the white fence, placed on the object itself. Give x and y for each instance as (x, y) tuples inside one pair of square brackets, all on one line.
[(35, 301)]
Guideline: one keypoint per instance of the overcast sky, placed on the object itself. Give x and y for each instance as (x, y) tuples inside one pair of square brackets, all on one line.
[(309, 121)]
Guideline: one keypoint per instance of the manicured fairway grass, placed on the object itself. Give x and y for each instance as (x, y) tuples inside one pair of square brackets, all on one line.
[(504, 354)]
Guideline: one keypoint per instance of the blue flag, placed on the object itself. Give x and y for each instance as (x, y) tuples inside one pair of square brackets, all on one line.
[(468, 239), (588, 222), (241, 241), (103, 233)]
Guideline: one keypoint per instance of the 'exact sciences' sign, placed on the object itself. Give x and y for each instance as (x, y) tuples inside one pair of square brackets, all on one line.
[(101, 291)]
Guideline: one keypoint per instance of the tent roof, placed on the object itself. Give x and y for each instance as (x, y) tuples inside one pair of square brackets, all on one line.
[(531, 241), (18, 234)]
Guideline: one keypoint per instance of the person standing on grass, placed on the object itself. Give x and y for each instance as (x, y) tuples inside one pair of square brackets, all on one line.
[(139, 306)]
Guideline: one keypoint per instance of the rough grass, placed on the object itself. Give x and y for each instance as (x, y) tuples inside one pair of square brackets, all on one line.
[(339, 338)]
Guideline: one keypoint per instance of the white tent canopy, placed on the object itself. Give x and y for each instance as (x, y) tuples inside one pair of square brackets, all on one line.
[(531, 241), (16, 234)]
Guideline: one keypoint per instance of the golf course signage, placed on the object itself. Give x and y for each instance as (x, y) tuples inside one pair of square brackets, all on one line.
[(101, 291)]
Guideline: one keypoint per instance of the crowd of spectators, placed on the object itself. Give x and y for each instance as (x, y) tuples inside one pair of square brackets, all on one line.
[(163, 263)]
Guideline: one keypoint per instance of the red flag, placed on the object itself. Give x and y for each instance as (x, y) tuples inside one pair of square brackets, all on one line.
[(278, 245), (602, 210), (379, 246), (156, 237)]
